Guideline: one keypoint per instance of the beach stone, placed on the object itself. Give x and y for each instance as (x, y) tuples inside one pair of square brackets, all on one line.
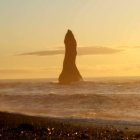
[(137, 136), (70, 72), (25, 127), (84, 136)]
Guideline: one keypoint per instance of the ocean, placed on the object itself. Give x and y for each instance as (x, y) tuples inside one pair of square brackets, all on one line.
[(95, 98)]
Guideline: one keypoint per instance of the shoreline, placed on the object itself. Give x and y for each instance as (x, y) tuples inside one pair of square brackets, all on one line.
[(19, 126)]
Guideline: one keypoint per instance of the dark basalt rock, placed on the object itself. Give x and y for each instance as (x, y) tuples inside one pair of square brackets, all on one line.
[(70, 72)]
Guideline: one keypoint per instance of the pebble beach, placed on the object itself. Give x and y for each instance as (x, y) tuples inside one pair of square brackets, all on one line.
[(23, 127)]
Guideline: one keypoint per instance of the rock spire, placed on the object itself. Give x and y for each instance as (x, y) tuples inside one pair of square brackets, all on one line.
[(70, 72)]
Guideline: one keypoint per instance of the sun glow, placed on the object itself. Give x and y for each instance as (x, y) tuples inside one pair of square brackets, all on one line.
[(107, 34)]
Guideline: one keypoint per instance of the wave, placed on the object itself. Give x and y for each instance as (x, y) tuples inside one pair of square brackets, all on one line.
[(85, 99)]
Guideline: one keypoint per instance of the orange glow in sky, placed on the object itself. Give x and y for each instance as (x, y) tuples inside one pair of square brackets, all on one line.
[(107, 34)]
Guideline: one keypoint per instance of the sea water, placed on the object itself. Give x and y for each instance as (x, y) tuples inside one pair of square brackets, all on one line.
[(97, 98)]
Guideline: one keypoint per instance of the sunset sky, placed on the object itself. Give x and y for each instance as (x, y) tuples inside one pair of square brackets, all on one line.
[(32, 34)]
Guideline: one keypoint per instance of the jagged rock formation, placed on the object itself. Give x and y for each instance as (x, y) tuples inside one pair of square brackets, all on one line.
[(70, 72)]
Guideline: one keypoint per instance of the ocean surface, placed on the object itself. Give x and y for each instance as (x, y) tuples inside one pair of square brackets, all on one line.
[(97, 98)]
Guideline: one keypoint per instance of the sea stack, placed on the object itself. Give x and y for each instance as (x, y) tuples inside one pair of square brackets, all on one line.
[(70, 72)]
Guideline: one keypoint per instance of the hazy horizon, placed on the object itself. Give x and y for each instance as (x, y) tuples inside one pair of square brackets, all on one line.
[(32, 37)]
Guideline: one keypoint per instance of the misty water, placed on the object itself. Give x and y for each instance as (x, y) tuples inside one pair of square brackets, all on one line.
[(97, 98)]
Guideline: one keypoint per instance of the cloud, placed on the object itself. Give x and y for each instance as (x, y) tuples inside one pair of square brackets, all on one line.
[(129, 47), (6, 71), (43, 53), (95, 50), (27, 70)]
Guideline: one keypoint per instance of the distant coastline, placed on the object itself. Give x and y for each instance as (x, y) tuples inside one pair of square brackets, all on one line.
[(85, 78)]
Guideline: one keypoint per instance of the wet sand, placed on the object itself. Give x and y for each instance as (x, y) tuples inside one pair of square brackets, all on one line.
[(23, 127)]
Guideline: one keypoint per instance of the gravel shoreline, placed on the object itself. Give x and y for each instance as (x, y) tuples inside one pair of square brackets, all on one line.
[(23, 127)]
